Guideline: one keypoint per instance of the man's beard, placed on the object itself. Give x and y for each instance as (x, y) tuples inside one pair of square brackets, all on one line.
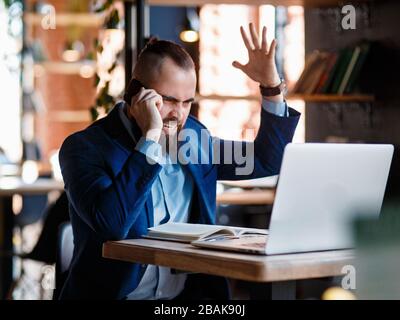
[(170, 141)]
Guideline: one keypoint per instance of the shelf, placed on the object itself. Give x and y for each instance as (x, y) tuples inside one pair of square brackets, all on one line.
[(82, 68), (223, 98), (72, 116), (331, 98), (67, 19), (305, 98), (307, 3)]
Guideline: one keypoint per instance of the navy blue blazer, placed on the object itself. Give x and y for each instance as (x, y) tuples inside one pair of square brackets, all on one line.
[(108, 185)]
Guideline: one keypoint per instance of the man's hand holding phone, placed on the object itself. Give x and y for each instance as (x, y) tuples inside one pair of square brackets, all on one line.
[(145, 108)]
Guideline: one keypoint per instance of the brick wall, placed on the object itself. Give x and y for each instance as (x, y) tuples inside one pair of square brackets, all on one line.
[(62, 93)]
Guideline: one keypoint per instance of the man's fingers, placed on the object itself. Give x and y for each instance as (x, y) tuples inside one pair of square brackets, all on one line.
[(272, 48), (264, 39), (238, 65), (254, 36), (148, 94), (145, 94), (245, 39), (155, 99)]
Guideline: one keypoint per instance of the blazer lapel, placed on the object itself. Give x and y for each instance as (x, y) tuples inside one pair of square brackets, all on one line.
[(117, 131), (149, 211)]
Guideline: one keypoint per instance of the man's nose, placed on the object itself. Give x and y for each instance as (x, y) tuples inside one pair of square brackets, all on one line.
[(176, 110)]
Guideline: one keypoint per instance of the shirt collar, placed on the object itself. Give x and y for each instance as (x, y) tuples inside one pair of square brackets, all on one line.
[(125, 121)]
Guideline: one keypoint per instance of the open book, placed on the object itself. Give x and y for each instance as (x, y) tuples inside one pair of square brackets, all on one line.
[(188, 232)]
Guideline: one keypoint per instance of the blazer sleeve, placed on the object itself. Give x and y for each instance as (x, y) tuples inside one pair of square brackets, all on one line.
[(107, 204), (238, 160)]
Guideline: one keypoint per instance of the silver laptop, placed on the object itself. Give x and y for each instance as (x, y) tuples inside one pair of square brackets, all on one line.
[(321, 189)]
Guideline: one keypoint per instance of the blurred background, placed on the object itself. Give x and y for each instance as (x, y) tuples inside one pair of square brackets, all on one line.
[(65, 63)]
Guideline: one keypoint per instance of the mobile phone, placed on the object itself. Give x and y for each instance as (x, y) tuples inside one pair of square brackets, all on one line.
[(133, 88)]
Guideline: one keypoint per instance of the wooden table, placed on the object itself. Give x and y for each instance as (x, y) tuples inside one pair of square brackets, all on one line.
[(281, 271), (10, 186)]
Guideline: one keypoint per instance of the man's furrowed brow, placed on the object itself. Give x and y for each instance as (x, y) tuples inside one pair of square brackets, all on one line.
[(171, 98), (189, 100)]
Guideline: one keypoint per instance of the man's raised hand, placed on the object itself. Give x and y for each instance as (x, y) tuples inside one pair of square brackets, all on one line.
[(261, 66)]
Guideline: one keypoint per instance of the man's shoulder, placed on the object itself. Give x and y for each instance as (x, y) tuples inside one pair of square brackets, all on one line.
[(100, 126), (194, 123), (86, 136)]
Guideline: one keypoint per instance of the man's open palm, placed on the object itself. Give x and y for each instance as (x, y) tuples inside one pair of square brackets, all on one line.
[(261, 66)]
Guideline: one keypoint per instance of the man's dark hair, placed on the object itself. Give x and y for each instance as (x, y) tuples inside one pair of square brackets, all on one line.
[(153, 54), (163, 49), (150, 61)]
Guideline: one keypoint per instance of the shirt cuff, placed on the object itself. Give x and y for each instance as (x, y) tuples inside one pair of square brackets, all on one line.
[(277, 108), (151, 149)]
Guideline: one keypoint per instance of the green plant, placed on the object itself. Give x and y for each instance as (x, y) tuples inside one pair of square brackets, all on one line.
[(8, 3), (104, 100), (74, 32)]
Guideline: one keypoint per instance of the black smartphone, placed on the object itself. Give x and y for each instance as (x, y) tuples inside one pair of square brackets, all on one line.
[(133, 88)]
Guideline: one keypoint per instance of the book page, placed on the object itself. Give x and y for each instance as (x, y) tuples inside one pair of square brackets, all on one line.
[(241, 231), (187, 232), (186, 229)]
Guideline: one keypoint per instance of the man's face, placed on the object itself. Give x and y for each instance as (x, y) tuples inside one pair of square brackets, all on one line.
[(177, 87)]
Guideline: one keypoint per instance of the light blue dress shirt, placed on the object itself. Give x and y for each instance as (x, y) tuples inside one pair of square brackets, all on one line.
[(171, 194)]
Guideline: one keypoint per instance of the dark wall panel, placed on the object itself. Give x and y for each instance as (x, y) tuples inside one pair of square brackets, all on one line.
[(353, 122)]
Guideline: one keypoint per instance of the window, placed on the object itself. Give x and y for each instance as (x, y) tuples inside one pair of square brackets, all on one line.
[(10, 32), (224, 112)]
